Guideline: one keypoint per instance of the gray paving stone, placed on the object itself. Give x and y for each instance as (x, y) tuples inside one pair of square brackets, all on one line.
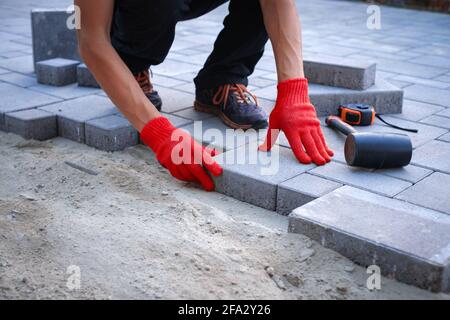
[(428, 94), (445, 137), (20, 64), (51, 37), (85, 78), (177, 121), (431, 192), (434, 155), (13, 54), (15, 98), (408, 68), (426, 82), (172, 68), (191, 114), (73, 114), (18, 79), (407, 242), (432, 60), (445, 78), (444, 113), (386, 97), (32, 124), (175, 100), (110, 133), (409, 173), (167, 82), (57, 72), (361, 178), (253, 176), (340, 72), (415, 111), (437, 121), (213, 132), (70, 91), (300, 190), (9, 46)]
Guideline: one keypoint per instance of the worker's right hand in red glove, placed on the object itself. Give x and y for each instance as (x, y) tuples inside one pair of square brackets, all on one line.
[(296, 117), (179, 153)]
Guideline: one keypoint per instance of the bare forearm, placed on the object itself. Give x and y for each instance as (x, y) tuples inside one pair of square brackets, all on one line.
[(107, 66), (118, 83), (283, 26)]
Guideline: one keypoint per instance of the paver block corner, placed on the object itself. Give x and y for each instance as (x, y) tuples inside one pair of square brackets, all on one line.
[(407, 242), (110, 133), (253, 176), (340, 72), (300, 190), (73, 114), (57, 71), (85, 78), (32, 124)]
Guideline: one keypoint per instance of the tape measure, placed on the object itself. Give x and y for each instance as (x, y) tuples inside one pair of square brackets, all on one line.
[(359, 114)]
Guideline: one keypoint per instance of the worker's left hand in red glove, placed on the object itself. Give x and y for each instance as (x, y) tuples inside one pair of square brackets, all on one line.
[(179, 153), (296, 117)]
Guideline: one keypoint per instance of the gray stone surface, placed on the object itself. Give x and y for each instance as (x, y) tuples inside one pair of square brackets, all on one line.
[(407, 242), (18, 79), (361, 178), (415, 111), (445, 137), (57, 71), (174, 100), (214, 132), (383, 95), (434, 155), (85, 78), (428, 193), (428, 94), (22, 64), (191, 114), (73, 114), (32, 124), (70, 91), (300, 190), (14, 98), (340, 72), (409, 173), (252, 176), (110, 133), (437, 121), (51, 37)]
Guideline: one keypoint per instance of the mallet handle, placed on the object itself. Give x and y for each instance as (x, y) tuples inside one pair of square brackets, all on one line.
[(336, 123)]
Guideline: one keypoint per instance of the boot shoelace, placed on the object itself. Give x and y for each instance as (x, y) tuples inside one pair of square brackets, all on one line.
[(143, 78), (238, 90)]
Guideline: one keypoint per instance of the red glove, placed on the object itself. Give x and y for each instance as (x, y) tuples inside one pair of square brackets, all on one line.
[(179, 153), (296, 116)]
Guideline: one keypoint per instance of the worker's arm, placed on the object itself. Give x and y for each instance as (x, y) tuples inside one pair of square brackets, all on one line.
[(293, 113), (106, 65), (175, 149)]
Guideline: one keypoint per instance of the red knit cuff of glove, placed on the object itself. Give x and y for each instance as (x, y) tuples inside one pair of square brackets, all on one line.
[(293, 91), (156, 132)]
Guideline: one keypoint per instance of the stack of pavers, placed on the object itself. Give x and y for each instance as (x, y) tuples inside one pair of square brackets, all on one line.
[(359, 213)]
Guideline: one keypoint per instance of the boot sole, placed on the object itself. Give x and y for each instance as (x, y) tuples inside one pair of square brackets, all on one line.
[(198, 106)]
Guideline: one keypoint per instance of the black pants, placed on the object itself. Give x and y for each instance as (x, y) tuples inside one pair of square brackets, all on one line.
[(143, 31)]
